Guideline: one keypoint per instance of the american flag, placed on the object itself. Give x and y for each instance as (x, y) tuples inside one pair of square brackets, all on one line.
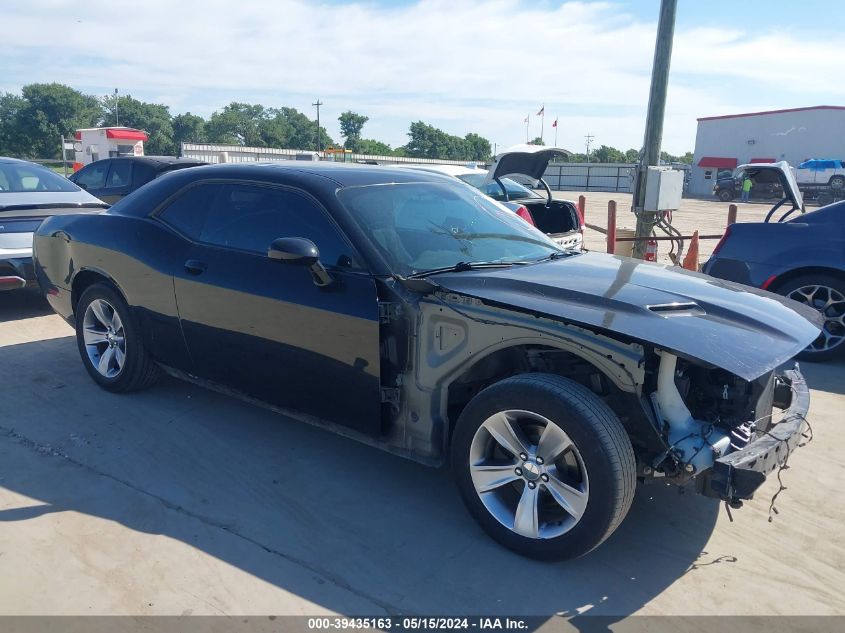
[(555, 123), (542, 111)]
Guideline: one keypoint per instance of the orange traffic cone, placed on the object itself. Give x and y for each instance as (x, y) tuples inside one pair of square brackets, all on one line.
[(691, 258)]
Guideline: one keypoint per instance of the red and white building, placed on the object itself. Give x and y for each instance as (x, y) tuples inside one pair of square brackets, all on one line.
[(105, 142), (794, 135)]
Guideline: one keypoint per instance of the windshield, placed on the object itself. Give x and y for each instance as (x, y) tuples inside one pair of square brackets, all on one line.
[(425, 226), (17, 177), (492, 189)]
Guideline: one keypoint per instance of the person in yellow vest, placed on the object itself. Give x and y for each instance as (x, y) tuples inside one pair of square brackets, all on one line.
[(746, 188)]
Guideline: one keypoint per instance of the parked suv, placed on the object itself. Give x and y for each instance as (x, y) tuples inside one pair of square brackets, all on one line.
[(816, 171)]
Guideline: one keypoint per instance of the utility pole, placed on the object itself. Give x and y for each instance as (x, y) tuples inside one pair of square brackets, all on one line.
[(654, 120), (589, 138), (318, 103), (116, 113)]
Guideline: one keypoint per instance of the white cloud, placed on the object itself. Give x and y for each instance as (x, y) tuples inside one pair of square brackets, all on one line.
[(463, 65)]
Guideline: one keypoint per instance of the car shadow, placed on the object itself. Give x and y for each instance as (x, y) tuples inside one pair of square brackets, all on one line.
[(22, 304), (390, 531)]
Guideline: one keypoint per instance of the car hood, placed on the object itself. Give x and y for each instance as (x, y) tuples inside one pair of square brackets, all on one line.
[(528, 160), (740, 329)]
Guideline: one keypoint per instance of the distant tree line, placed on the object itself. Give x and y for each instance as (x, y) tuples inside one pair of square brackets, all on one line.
[(32, 122)]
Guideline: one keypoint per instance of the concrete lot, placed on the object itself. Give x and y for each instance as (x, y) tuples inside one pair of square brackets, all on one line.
[(178, 500)]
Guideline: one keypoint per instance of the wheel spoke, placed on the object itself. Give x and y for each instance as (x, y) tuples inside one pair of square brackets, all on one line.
[(553, 442), (487, 478), (506, 434), (119, 357), (100, 314), (525, 521), (572, 500), (117, 324), (93, 336), (105, 360)]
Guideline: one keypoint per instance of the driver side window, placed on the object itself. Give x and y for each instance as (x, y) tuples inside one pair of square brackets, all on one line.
[(250, 217)]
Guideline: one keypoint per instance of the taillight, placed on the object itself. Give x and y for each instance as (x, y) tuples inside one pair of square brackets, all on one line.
[(722, 241), (525, 214)]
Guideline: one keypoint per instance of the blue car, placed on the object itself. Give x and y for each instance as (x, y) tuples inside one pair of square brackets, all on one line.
[(796, 254)]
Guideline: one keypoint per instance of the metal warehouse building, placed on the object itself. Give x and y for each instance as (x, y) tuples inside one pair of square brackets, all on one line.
[(794, 135)]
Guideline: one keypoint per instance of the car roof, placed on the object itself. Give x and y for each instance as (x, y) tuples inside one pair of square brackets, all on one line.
[(157, 160), (449, 170), (9, 160), (344, 175)]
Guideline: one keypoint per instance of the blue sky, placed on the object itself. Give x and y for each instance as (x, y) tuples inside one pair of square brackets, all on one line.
[(463, 65)]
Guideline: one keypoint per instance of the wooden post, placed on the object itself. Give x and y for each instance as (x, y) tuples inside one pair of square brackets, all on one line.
[(582, 207), (732, 214), (611, 226)]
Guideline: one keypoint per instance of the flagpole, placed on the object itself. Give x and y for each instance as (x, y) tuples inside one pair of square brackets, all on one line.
[(555, 131), (527, 123), (542, 122)]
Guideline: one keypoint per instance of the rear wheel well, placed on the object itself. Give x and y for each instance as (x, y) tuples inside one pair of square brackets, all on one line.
[(782, 280), (85, 279)]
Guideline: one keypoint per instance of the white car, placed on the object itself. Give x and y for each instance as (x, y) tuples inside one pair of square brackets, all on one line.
[(28, 194), (559, 219)]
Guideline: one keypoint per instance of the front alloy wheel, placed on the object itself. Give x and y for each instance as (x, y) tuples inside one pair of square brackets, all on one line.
[(528, 474), (544, 465)]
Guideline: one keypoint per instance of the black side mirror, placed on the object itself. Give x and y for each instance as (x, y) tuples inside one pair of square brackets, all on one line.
[(299, 251), (294, 250)]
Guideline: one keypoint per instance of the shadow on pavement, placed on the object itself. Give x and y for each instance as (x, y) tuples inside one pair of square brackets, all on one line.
[(825, 376), (389, 530), (22, 304)]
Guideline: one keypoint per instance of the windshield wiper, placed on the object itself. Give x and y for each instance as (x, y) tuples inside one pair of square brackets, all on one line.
[(461, 267)]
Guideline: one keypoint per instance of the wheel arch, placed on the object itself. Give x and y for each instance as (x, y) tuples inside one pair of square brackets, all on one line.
[(86, 278), (784, 278), (512, 358)]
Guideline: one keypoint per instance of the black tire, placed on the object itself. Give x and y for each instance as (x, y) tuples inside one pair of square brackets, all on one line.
[(725, 195), (139, 371), (599, 437), (832, 284), (837, 182)]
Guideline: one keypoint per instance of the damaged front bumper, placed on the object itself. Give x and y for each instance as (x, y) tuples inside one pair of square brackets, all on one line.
[(738, 475)]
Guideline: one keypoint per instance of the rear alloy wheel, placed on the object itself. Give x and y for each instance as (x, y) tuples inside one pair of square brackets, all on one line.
[(725, 195), (544, 466), (827, 295), (837, 182), (110, 343)]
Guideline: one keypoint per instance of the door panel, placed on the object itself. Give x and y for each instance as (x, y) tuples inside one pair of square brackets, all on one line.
[(264, 328)]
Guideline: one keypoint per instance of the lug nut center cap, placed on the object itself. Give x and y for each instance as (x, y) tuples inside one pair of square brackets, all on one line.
[(531, 470)]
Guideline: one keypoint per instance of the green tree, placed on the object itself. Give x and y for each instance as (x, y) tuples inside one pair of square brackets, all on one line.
[(43, 114), (188, 128), (10, 133), (537, 141), (236, 124), (351, 124), (372, 147), (153, 118), (632, 156), (477, 147), (607, 154)]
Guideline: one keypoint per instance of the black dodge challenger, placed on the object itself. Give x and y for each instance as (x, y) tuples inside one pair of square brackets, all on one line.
[(411, 312)]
